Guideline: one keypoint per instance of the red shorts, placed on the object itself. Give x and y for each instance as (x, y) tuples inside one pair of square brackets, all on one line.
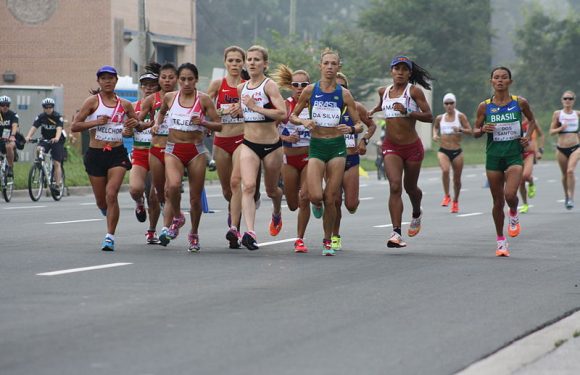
[(140, 157), (296, 161), (158, 152), (185, 152), (411, 152), (228, 144)]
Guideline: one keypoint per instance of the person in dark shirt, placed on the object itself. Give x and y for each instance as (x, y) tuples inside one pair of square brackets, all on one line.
[(8, 130), (50, 124)]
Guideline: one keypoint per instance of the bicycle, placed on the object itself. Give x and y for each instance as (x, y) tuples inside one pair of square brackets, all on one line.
[(40, 170), (6, 182)]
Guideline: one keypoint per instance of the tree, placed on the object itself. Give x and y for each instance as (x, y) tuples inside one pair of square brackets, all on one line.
[(547, 50), (452, 40)]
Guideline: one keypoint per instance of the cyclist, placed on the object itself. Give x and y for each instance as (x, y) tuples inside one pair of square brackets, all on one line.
[(8, 130), (51, 124)]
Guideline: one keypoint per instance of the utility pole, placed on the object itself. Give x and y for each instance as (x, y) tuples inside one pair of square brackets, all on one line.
[(143, 38), (292, 21)]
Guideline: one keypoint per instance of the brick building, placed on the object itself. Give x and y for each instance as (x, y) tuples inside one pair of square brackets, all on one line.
[(63, 42)]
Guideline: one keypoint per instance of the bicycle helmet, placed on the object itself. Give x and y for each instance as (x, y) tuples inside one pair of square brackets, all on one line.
[(5, 100), (48, 101)]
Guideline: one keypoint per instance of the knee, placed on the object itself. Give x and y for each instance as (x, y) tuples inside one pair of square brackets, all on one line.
[(234, 184), (272, 192), (570, 173), (445, 172), (195, 203), (249, 188), (111, 195), (395, 188)]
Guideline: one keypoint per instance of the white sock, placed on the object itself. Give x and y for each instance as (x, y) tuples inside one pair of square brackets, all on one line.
[(111, 236)]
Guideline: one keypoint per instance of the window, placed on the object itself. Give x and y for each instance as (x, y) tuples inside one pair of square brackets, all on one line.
[(166, 53)]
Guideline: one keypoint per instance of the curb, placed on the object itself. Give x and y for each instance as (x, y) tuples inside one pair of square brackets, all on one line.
[(528, 349)]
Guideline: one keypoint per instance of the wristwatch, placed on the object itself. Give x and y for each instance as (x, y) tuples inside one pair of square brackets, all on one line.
[(366, 141)]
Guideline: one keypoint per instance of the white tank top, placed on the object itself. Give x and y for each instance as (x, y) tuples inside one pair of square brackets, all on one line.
[(112, 131), (571, 121), (262, 100), (290, 128), (406, 100), (446, 127), (179, 118)]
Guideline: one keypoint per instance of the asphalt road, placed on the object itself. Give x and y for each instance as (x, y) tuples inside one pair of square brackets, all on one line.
[(433, 308)]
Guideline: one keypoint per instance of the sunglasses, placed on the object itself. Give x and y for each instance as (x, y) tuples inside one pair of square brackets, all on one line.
[(4, 105), (300, 84), (47, 106), (449, 103), (568, 98)]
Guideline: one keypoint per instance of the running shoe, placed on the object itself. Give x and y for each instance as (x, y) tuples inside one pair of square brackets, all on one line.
[(531, 191), (275, 224), (233, 236), (140, 211), (396, 240), (151, 237), (336, 243), (569, 203), (164, 238), (108, 244), (249, 241), (193, 243), (524, 208), (454, 207), (317, 211), (55, 190), (177, 223), (103, 211), (299, 246), (415, 225), (327, 249), (445, 201), (502, 249), (514, 225)]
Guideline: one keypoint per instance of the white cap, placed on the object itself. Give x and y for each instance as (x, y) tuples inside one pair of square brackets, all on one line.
[(449, 97)]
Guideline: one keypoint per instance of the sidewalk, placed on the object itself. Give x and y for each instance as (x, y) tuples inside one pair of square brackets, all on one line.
[(551, 350)]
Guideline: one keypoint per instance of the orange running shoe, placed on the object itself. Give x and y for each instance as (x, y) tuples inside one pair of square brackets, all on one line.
[(299, 246), (445, 201), (415, 226), (514, 225), (502, 249), (275, 224), (454, 207)]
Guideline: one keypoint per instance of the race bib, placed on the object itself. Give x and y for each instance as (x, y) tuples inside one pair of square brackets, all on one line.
[(228, 119), (506, 131), (390, 112), (182, 122), (144, 136), (6, 133), (326, 117), (447, 128), (350, 140)]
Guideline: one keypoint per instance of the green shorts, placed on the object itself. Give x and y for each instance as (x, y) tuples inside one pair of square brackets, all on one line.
[(326, 149), (502, 163)]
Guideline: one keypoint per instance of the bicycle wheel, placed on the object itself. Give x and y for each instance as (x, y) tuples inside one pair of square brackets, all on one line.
[(57, 195), (7, 187), (35, 182)]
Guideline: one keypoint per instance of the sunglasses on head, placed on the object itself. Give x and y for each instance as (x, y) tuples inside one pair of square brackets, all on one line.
[(449, 103), (300, 84), (568, 98)]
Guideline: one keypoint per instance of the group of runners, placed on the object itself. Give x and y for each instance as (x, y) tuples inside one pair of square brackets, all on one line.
[(312, 141)]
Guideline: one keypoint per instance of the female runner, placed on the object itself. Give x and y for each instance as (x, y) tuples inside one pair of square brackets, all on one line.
[(533, 153), (404, 104), (139, 178), (105, 115), (447, 130), (500, 117), (565, 124), (296, 142), (262, 107), (354, 148), (326, 100), (186, 111)]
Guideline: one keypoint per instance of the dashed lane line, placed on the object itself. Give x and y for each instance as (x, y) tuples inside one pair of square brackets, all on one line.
[(73, 221), (82, 269)]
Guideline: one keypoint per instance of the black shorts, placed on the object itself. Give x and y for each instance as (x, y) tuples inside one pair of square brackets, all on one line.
[(451, 154), (262, 150), (567, 151), (98, 161), (3, 146), (56, 150)]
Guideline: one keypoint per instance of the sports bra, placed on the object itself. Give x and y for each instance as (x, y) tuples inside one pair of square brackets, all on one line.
[(571, 121), (112, 131), (179, 118), (262, 100), (405, 99), (448, 127)]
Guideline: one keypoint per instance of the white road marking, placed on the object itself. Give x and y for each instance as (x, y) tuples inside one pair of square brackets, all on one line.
[(276, 242), (390, 225), (471, 175), (73, 221), (463, 190), (366, 199), (363, 185), (73, 270), (214, 195), (560, 201), (551, 181), (22, 207), (88, 204), (471, 214)]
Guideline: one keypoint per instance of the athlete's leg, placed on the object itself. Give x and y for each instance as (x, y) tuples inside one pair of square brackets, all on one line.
[(303, 203), (350, 184), (496, 186), (157, 177), (152, 203), (224, 165), (410, 180), (99, 185), (272, 169), (334, 174), (315, 175), (236, 189), (394, 171), (445, 168), (173, 174), (137, 177), (457, 166), (249, 164), (513, 178), (114, 180), (291, 177), (563, 164), (196, 177), (571, 167)]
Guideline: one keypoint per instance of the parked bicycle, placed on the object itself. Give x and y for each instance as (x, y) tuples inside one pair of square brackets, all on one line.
[(6, 182), (41, 174)]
